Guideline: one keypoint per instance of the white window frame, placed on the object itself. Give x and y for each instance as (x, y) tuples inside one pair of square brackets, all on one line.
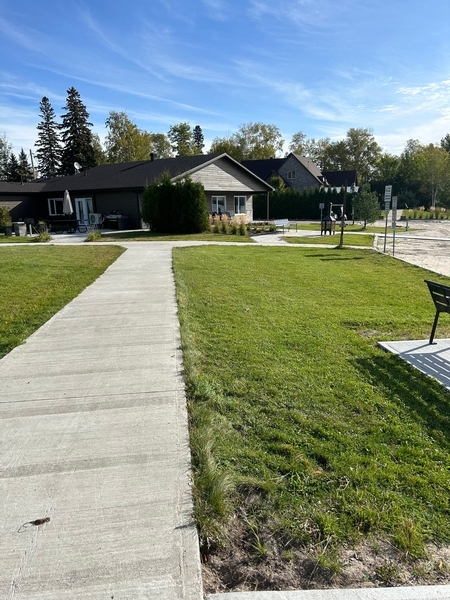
[(215, 204), (290, 175), (52, 206), (240, 205)]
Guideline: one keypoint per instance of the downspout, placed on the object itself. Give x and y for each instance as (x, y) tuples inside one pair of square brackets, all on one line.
[(268, 194)]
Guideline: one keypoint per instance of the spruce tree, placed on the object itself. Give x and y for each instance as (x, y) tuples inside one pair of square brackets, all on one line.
[(12, 171), (48, 142), (76, 135), (198, 139), (24, 170)]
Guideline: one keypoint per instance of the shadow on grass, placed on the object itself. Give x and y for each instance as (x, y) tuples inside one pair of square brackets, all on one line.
[(328, 256), (427, 401)]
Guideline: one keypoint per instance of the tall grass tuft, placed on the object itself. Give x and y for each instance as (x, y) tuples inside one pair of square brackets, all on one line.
[(224, 224), (242, 225)]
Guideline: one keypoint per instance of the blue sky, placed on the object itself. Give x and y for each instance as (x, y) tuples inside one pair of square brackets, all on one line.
[(317, 66)]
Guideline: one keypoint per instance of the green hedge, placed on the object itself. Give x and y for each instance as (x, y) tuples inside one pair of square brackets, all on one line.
[(295, 204)]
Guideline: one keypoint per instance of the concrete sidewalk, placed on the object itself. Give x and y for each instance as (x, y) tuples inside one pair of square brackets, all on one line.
[(93, 437)]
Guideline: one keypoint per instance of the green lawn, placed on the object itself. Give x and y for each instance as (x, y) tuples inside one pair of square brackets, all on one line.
[(327, 439), (12, 239), (350, 239), (149, 236), (38, 281)]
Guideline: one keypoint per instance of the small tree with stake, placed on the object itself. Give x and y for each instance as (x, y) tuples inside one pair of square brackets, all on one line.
[(365, 205)]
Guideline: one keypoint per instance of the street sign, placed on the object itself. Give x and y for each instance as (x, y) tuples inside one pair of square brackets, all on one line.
[(394, 202), (386, 206), (387, 193), (322, 205)]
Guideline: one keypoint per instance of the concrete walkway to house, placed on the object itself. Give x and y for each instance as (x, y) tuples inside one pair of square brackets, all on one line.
[(95, 492)]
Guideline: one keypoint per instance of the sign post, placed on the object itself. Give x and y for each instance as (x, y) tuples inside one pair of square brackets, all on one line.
[(394, 222), (387, 201), (321, 206)]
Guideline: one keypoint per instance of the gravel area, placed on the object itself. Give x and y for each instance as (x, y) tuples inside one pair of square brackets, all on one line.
[(427, 245)]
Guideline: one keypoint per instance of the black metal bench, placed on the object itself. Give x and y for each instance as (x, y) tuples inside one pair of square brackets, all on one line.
[(441, 298)]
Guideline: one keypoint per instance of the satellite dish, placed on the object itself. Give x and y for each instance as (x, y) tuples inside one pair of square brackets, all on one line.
[(77, 167)]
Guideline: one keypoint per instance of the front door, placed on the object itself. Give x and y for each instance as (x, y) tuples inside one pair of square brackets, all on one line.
[(83, 206)]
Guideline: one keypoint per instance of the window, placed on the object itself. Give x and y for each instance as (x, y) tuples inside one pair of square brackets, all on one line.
[(290, 175), (55, 206), (240, 204), (219, 204)]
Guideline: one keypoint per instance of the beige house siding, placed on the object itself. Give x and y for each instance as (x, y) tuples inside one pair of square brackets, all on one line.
[(226, 176)]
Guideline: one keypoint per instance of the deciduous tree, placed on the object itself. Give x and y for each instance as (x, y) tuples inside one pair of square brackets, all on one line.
[(180, 137), (161, 145), (5, 153), (298, 143), (125, 142), (259, 140)]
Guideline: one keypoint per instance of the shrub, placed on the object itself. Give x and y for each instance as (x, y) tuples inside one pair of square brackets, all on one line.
[(44, 236), (5, 217), (178, 207), (216, 224), (234, 225), (94, 236)]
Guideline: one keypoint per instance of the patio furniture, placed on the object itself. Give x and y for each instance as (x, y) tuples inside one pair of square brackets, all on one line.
[(440, 294)]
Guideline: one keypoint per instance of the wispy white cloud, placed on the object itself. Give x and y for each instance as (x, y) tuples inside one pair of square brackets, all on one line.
[(217, 9)]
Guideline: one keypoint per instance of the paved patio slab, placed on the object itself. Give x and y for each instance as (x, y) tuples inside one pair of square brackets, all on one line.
[(431, 359)]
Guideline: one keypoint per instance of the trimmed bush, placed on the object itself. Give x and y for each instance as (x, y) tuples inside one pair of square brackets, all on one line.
[(178, 207)]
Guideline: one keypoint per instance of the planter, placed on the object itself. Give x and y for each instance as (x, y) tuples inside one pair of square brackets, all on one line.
[(20, 229), (8, 230)]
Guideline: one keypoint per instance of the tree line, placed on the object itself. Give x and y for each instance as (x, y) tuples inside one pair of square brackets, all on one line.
[(420, 175)]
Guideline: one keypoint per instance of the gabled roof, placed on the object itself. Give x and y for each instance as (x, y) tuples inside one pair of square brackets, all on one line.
[(264, 167), (136, 175), (309, 166)]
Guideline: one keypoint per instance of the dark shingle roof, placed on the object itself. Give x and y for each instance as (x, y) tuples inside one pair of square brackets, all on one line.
[(12, 187), (127, 175), (265, 167)]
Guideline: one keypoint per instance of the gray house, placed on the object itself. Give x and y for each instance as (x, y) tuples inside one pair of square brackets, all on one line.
[(299, 172), (116, 189)]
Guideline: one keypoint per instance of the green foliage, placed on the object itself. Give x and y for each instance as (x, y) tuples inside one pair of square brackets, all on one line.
[(198, 140), (5, 153), (251, 141), (124, 141), (48, 144), (365, 205), (42, 237), (5, 217), (288, 203), (94, 236), (178, 207), (76, 135), (180, 138)]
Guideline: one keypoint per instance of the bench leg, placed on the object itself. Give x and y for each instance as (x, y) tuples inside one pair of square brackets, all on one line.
[(433, 331)]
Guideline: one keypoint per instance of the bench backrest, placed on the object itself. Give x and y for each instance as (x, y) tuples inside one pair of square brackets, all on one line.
[(440, 294), (280, 222)]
